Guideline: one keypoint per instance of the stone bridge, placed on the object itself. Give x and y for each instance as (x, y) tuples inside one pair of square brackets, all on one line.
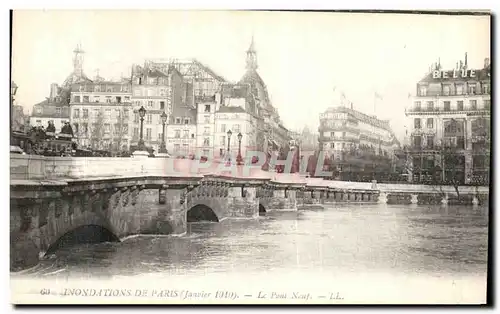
[(53, 198)]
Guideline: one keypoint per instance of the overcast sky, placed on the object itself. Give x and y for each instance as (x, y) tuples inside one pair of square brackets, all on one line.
[(301, 56)]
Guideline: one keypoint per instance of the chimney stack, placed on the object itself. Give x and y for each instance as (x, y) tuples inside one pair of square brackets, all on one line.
[(53, 91), (486, 62), (465, 63)]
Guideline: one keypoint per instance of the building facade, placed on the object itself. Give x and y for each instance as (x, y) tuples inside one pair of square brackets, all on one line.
[(357, 146), (55, 109), (100, 114), (450, 125)]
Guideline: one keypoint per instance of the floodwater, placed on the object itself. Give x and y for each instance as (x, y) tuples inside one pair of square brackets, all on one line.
[(362, 253)]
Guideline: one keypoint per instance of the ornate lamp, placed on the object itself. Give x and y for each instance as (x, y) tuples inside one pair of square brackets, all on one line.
[(163, 148), (239, 159), (142, 113)]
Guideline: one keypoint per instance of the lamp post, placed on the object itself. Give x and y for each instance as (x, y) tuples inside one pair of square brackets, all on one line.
[(163, 148), (142, 113), (13, 90), (229, 133), (239, 159)]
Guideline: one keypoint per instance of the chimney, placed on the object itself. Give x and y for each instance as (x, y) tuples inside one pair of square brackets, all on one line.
[(465, 65), (461, 64), (53, 91), (456, 66), (486, 62)]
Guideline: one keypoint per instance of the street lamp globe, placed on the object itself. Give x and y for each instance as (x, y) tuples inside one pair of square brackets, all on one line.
[(229, 133), (13, 88), (240, 136), (142, 112), (164, 117)]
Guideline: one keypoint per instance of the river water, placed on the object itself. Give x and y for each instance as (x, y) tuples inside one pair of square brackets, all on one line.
[(362, 253)]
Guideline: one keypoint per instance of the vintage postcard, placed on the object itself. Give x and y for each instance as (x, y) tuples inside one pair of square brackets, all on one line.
[(249, 157)]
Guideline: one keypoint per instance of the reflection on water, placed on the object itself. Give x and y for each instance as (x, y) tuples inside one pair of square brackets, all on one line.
[(342, 239)]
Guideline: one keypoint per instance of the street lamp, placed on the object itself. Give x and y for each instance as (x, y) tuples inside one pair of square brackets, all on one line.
[(163, 148), (142, 113), (229, 133), (239, 159)]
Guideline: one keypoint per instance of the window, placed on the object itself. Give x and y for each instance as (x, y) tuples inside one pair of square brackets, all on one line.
[(460, 89), (58, 110), (185, 148), (177, 134), (86, 99), (85, 128), (430, 141), (447, 106), (430, 123), (148, 134), (223, 141), (137, 103), (417, 141), (109, 89), (159, 136), (486, 89), (430, 106), (446, 90), (206, 130), (125, 114), (223, 128), (332, 145), (473, 104), (108, 99), (162, 92), (117, 129), (177, 120), (186, 120), (472, 89), (206, 141), (85, 113), (422, 91), (126, 98), (487, 104), (76, 99), (125, 129), (185, 134), (207, 108), (177, 147), (76, 113), (107, 128), (75, 128), (149, 118), (124, 88), (460, 105), (136, 117), (137, 92), (162, 105), (206, 152), (418, 105), (236, 128), (150, 104), (207, 119), (343, 145), (118, 99), (136, 133), (416, 123), (108, 114), (97, 88)]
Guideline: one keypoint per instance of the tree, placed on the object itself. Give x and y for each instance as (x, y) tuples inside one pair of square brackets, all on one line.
[(97, 131), (120, 131)]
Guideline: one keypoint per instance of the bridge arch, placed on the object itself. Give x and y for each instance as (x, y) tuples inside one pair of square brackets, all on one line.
[(262, 210), (90, 233), (73, 227), (201, 212)]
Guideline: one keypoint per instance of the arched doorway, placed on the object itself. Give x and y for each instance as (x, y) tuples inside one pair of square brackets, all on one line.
[(201, 213), (262, 210), (86, 234)]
